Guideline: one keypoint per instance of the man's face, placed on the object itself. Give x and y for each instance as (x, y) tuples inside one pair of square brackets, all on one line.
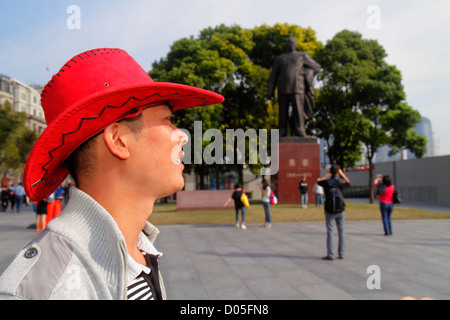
[(155, 154)]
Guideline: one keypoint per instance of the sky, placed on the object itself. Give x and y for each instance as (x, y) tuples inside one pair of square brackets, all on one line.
[(38, 36)]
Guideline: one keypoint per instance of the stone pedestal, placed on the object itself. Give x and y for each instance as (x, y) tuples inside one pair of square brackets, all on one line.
[(297, 157)]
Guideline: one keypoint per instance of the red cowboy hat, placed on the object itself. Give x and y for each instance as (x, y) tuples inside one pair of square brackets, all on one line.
[(91, 91)]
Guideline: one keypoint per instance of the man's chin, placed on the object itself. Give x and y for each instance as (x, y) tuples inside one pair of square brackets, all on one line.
[(175, 189)]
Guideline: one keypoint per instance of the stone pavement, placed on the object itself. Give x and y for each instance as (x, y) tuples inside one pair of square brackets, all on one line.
[(14, 233), (204, 262)]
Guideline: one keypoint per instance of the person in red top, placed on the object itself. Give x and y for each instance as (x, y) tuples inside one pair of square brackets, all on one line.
[(385, 190)]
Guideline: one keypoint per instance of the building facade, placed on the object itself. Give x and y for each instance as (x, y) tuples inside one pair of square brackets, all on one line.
[(24, 98)]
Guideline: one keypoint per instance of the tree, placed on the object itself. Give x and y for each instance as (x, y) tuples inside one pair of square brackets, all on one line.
[(404, 136), (362, 102), (16, 140), (244, 106)]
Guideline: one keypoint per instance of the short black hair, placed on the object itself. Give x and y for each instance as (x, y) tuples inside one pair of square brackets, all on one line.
[(334, 169), (83, 157), (387, 181)]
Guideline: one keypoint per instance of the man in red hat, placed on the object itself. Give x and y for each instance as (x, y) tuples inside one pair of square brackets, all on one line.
[(109, 127)]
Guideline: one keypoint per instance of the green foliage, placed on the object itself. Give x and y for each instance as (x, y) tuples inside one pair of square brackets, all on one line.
[(359, 89), (398, 123), (361, 101), (16, 140)]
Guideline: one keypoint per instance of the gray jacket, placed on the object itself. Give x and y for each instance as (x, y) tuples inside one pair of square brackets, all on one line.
[(80, 255)]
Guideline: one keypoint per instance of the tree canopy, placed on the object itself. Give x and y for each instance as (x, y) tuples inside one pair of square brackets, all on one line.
[(362, 102), (16, 140)]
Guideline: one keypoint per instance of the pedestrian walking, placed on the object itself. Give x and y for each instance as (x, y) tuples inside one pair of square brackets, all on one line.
[(238, 205), (5, 196), (12, 196), (20, 197)]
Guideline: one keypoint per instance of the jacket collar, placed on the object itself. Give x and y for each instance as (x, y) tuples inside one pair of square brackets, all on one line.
[(93, 231)]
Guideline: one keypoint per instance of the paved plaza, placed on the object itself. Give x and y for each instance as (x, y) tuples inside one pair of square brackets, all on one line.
[(203, 262)]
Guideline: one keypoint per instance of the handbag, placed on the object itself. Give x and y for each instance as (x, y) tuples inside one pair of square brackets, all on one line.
[(397, 197), (273, 198), (244, 200)]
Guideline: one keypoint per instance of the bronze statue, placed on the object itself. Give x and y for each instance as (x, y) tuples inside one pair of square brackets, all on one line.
[(293, 73)]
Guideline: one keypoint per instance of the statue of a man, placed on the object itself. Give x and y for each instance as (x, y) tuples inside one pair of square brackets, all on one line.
[(293, 73)]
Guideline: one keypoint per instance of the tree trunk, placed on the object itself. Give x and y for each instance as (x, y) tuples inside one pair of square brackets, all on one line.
[(240, 168)]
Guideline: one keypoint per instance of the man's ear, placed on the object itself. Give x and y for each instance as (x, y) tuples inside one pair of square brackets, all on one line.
[(115, 139)]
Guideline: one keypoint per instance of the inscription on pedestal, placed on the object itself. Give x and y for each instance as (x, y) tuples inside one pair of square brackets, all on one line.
[(297, 157)]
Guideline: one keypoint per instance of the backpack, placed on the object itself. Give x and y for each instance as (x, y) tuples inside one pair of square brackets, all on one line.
[(334, 198)]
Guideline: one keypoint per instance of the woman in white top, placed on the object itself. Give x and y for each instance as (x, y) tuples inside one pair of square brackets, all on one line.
[(318, 190)]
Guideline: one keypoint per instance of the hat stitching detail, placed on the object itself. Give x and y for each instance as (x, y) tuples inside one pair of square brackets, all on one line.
[(53, 182), (111, 50)]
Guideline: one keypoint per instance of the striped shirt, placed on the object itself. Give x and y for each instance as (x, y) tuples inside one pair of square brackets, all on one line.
[(143, 280), (139, 289), (146, 285)]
